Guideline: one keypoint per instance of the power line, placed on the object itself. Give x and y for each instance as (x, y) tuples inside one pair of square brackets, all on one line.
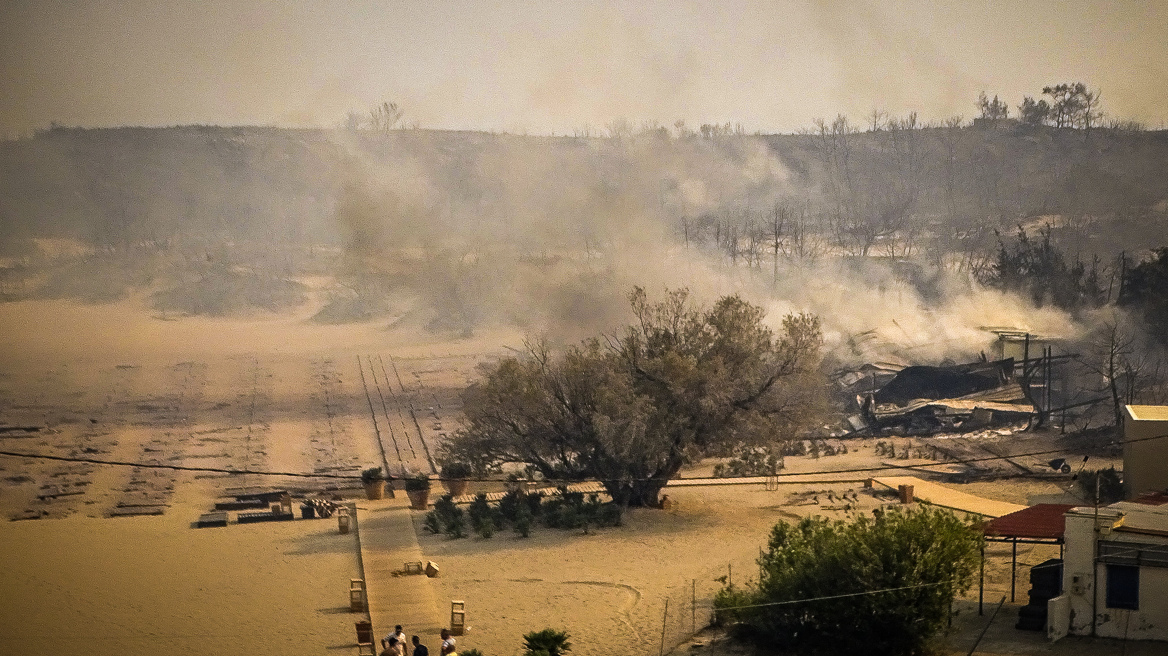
[(851, 470), (152, 465), (838, 596)]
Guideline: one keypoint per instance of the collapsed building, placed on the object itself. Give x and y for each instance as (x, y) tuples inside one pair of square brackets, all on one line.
[(921, 399)]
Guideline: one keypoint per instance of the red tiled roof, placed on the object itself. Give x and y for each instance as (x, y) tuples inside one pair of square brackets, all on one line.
[(1043, 521), (1152, 498)]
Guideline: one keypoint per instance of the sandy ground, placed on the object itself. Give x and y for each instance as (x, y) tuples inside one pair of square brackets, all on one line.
[(275, 393)]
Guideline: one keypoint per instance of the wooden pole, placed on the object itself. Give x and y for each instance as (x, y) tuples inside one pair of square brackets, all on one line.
[(693, 609), (1013, 569), (663, 620), (981, 584)]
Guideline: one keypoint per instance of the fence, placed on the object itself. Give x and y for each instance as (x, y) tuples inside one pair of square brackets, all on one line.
[(688, 607)]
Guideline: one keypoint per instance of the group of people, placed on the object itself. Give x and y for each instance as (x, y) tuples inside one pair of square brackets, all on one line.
[(394, 644)]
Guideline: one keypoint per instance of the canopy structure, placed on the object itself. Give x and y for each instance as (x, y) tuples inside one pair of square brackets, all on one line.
[(1044, 523)]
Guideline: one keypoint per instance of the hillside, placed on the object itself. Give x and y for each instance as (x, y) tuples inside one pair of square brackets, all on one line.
[(214, 220)]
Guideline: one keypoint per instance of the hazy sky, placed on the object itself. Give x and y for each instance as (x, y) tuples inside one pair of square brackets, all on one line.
[(558, 66)]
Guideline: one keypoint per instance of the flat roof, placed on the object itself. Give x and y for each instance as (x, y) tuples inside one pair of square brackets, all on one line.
[(1148, 412)]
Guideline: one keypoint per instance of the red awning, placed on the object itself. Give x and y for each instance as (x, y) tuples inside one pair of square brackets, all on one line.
[(1044, 521)]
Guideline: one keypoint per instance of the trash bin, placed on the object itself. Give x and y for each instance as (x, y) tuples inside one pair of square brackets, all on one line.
[(307, 511)]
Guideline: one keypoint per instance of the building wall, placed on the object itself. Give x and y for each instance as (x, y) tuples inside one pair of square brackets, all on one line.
[(1085, 583), (1145, 464)]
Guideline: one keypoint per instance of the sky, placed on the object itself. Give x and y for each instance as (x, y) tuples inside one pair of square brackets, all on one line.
[(564, 67)]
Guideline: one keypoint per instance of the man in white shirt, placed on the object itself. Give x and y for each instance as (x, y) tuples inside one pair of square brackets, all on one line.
[(397, 633)]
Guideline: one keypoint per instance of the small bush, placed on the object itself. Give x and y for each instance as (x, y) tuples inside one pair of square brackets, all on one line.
[(447, 518), (534, 502), (792, 448), (455, 470), (753, 462), (417, 483), (523, 521), (609, 515), (1110, 485), (456, 527), (371, 475), (510, 504), (482, 518), (548, 641)]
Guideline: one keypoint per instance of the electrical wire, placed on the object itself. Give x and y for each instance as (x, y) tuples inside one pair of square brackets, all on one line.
[(256, 472), (789, 602)]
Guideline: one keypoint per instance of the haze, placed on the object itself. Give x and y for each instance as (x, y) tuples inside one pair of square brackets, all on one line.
[(561, 67)]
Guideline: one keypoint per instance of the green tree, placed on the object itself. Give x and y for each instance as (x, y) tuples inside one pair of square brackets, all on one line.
[(630, 410), (920, 558)]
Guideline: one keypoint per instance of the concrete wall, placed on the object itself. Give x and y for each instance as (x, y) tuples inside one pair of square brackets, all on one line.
[(1145, 463), (1085, 583)]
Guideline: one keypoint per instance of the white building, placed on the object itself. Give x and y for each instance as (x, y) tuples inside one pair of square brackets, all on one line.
[(1115, 572), (1145, 449)]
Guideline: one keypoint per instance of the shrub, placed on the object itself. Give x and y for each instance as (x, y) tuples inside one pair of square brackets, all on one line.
[(455, 470), (456, 526), (610, 514), (431, 523), (371, 475), (1110, 485), (510, 505), (549, 641), (417, 483), (759, 461), (523, 521), (447, 518), (534, 502), (923, 557), (482, 518)]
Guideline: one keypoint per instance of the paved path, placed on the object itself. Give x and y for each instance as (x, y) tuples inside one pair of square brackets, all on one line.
[(388, 541), (946, 497)]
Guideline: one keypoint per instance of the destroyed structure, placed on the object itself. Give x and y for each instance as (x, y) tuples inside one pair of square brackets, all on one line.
[(920, 399)]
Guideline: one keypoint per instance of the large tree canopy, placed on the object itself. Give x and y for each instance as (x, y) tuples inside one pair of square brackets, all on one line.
[(630, 409)]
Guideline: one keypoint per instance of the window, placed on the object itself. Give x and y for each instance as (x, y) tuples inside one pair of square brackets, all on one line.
[(1123, 587)]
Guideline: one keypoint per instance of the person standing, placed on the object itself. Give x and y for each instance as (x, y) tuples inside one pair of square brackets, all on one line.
[(397, 633), (447, 643), (393, 647), (419, 648)]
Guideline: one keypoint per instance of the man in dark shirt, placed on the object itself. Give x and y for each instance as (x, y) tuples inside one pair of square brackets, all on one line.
[(419, 648)]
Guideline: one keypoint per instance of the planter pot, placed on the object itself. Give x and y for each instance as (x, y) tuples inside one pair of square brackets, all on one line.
[(375, 490), (456, 487), (419, 499)]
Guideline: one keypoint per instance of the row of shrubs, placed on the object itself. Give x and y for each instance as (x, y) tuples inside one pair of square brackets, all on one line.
[(520, 511), (768, 461)]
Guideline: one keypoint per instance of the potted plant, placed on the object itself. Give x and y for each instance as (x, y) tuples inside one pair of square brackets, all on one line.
[(374, 483), (454, 475), (418, 490)]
